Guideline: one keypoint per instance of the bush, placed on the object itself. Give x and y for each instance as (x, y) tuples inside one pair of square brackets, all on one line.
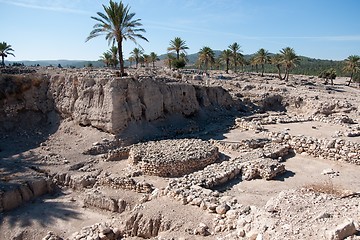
[(178, 63)]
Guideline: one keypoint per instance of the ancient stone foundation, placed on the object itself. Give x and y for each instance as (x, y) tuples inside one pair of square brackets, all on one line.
[(172, 158)]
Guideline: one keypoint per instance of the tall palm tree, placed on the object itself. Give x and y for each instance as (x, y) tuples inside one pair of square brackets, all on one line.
[(5, 50), (262, 57), (106, 58), (289, 60), (117, 24), (154, 57), (352, 66), (206, 56), (235, 49), (137, 54), (226, 56), (277, 61), (177, 45)]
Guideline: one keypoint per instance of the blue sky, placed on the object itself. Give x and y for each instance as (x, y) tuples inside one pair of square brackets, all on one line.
[(57, 29)]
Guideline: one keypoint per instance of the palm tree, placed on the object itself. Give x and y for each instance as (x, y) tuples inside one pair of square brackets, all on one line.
[(262, 57), (235, 49), (154, 57), (184, 57), (226, 56), (277, 61), (169, 59), (289, 60), (5, 50), (114, 56), (177, 45), (106, 58), (352, 66), (206, 56), (117, 24), (136, 54), (146, 59)]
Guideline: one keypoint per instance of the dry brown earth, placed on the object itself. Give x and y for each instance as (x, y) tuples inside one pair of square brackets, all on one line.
[(287, 167)]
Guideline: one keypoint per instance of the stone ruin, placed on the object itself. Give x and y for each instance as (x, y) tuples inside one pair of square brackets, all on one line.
[(172, 158)]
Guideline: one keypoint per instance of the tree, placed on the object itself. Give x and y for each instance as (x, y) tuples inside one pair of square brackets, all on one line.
[(154, 57), (184, 57), (146, 59), (328, 74), (206, 56), (289, 60), (226, 56), (177, 45), (114, 56), (169, 59), (106, 58), (235, 49), (5, 50), (137, 54), (277, 61), (262, 57), (352, 66), (117, 24)]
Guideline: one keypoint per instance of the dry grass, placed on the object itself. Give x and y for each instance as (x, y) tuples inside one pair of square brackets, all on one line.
[(326, 187)]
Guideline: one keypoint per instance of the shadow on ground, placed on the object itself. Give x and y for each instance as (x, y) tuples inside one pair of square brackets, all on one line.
[(44, 211)]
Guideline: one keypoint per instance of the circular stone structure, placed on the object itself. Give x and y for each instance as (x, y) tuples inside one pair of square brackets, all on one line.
[(172, 158)]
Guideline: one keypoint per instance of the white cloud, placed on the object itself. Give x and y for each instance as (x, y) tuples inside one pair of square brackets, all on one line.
[(48, 5)]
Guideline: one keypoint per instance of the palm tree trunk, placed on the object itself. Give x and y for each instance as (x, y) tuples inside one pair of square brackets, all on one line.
[(287, 75), (3, 60), (351, 76), (227, 66), (279, 71), (262, 70), (121, 59)]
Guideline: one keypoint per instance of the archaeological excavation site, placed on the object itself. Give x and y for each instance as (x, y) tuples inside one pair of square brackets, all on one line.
[(163, 154)]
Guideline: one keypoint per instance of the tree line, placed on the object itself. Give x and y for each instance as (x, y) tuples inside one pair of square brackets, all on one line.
[(118, 24)]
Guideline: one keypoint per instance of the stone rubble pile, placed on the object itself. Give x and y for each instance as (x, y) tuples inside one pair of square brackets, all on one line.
[(293, 214), (172, 158), (195, 188), (98, 231)]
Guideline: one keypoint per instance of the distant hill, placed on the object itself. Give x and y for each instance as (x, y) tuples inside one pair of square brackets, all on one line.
[(307, 66), (55, 63)]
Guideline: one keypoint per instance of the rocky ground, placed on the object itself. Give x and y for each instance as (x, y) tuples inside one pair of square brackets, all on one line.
[(235, 156)]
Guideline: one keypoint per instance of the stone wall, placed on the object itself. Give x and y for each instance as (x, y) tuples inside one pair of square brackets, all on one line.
[(19, 194), (334, 149), (111, 103)]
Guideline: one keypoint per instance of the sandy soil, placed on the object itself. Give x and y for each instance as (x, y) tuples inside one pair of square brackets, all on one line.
[(63, 212)]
